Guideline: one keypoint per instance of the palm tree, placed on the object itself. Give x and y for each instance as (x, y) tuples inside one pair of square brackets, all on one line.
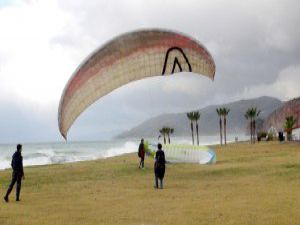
[(252, 114), (196, 117), (255, 115), (170, 132), (163, 132), (249, 117), (225, 112), (219, 111), (288, 126), (190, 115)]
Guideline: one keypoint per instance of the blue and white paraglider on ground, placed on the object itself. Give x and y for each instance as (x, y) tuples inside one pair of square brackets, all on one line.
[(180, 153)]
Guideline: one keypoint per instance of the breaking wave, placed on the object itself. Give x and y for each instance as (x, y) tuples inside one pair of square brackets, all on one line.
[(44, 154)]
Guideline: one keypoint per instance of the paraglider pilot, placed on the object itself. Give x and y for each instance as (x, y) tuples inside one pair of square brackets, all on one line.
[(141, 154), (18, 173), (159, 166)]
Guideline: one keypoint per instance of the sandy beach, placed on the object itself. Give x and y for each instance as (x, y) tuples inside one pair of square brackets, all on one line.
[(250, 184)]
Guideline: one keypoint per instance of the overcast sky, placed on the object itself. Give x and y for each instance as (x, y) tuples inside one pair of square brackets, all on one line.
[(255, 45)]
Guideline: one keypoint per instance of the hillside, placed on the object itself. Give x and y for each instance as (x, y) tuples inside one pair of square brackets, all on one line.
[(209, 122), (277, 118)]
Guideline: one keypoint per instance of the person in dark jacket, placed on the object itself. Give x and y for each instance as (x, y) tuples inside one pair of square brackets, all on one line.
[(159, 166), (18, 173), (141, 154)]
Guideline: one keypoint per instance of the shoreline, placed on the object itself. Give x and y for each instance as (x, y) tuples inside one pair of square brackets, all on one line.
[(73, 162), (132, 152)]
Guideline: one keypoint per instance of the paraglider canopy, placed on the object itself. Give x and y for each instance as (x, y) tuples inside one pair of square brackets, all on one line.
[(129, 57)]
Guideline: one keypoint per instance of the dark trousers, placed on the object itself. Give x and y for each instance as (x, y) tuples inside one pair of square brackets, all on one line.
[(142, 162), (16, 177), (159, 171), (161, 181)]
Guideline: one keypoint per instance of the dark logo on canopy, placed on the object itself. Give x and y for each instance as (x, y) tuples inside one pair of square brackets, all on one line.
[(176, 61)]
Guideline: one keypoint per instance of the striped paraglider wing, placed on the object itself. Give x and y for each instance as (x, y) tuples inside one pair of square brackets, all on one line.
[(129, 57)]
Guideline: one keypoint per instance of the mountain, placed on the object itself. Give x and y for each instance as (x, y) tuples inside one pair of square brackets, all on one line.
[(277, 118), (209, 121)]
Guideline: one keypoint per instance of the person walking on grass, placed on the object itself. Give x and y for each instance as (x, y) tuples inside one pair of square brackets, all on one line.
[(141, 154), (159, 166), (17, 174)]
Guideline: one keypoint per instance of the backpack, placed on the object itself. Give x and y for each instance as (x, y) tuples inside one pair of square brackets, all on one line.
[(13, 162), (161, 158)]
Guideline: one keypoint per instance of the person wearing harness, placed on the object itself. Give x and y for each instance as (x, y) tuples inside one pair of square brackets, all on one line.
[(141, 154), (17, 174), (159, 166)]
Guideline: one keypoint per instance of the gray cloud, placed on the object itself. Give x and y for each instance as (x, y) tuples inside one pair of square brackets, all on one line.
[(255, 46)]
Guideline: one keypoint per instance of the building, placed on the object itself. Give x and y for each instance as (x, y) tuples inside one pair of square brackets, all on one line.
[(277, 118)]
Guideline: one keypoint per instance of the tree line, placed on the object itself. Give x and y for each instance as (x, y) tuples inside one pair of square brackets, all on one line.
[(251, 115)]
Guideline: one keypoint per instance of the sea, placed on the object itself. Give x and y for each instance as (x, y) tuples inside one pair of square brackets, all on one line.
[(67, 152)]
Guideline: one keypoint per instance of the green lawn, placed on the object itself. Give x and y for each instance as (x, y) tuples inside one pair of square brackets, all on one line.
[(250, 184)]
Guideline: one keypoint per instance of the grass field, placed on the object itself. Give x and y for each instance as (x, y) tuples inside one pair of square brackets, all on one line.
[(250, 184)]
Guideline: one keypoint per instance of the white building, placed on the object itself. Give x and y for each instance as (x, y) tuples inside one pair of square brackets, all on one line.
[(296, 133)]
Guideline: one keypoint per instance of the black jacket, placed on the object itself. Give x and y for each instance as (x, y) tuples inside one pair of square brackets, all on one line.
[(141, 150), (160, 157), (17, 162), (159, 166)]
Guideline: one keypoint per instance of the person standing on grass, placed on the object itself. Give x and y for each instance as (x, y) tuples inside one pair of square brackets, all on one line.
[(159, 166), (141, 154), (17, 174)]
